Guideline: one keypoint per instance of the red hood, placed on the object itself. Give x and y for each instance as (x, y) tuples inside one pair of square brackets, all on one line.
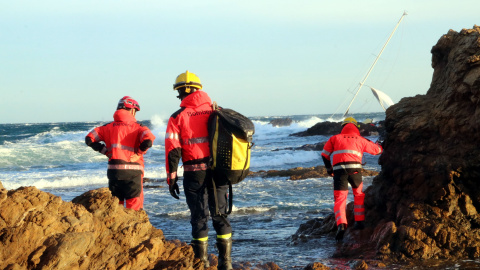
[(195, 99), (350, 129), (123, 116)]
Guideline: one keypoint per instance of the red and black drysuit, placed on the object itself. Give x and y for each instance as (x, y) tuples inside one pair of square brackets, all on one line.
[(345, 152), (123, 138), (187, 138)]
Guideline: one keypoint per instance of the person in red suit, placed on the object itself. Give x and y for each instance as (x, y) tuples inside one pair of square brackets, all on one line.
[(124, 141), (186, 138), (342, 156)]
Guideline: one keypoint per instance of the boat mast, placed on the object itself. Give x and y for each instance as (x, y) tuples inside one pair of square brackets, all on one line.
[(376, 59)]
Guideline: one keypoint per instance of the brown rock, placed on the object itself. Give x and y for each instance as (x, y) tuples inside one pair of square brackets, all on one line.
[(300, 173), (39, 230), (425, 202), (316, 266)]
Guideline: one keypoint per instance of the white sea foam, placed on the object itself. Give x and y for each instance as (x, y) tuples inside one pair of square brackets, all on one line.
[(50, 181), (279, 158), (252, 209)]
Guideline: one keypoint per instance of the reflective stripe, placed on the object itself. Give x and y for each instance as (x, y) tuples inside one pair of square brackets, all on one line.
[(123, 147), (326, 152), (195, 167), (172, 136), (359, 213), (143, 134), (347, 166), (358, 206), (125, 167), (195, 140), (203, 239), (224, 236), (95, 135), (347, 152)]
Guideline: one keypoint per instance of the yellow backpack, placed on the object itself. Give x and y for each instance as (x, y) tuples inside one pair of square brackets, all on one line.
[(231, 140)]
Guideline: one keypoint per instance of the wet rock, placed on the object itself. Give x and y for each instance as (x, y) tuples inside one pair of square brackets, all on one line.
[(281, 122), (322, 128), (307, 147), (332, 128), (425, 202), (316, 266), (359, 265), (300, 173)]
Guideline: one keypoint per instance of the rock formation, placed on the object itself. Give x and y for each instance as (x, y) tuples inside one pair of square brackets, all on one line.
[(331, 128), (301, 173), (425, 202), (281, 122), (40, 231)]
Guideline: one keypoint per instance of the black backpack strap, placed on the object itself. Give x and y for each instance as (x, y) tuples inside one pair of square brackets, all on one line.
[(230, 198)]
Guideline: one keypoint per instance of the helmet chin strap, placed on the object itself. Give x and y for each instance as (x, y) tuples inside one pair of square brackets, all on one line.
[(183, 93)]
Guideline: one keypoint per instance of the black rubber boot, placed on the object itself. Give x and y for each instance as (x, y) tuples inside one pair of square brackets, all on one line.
[(200, 248), (340, 231), (359, 225), (224, 247)]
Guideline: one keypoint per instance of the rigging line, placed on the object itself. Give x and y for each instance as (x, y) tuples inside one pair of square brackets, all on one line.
[(376, 59)]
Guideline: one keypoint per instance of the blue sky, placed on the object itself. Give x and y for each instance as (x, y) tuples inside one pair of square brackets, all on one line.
[(67, 61)]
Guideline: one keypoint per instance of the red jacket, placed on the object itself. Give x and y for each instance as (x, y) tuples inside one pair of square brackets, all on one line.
[(123, 138), (346, 149), (187, 134)]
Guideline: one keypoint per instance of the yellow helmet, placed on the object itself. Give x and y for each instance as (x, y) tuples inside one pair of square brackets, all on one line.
[(350, 120), (187, 79)]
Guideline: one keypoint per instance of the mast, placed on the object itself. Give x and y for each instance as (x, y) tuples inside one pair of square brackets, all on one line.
[(376, 59)]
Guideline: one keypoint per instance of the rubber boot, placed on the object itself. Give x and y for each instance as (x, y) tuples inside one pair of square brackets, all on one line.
[(200, 249), (340, 232), (224, 246), (359, 225)]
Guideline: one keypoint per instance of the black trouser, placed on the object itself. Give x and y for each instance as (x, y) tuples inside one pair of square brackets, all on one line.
[(200, 199), (342, 177), (125, 184)]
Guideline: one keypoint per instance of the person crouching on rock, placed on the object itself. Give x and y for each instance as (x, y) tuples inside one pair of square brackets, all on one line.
[(345, 152), (124, 142)]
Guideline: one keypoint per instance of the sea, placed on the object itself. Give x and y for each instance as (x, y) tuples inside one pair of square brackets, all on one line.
[(266, 211)]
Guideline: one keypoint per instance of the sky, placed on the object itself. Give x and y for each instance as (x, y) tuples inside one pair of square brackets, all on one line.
[(71, 61)]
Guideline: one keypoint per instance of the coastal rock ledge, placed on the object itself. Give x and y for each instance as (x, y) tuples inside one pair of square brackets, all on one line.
[(41, 231), (425, 202)]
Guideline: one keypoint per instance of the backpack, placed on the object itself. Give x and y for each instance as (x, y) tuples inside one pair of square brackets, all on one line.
[(230, 137)]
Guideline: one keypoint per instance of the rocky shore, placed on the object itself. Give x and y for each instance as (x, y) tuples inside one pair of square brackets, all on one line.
[(40, 231), (425, 202), (423, 205)]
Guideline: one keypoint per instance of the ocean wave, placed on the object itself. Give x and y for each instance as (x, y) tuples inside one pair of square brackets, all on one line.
[(279, 158), (253, 209), (49, 181)]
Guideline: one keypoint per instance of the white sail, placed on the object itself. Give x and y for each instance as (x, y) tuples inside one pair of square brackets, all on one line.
[(374, 62), (384, 100)]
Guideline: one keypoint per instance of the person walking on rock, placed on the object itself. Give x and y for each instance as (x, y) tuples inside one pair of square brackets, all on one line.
[(187, 138), (345, 151), (124, 142)]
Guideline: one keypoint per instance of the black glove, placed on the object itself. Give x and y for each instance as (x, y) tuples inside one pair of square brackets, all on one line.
[(330, 171), (173, 187)]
